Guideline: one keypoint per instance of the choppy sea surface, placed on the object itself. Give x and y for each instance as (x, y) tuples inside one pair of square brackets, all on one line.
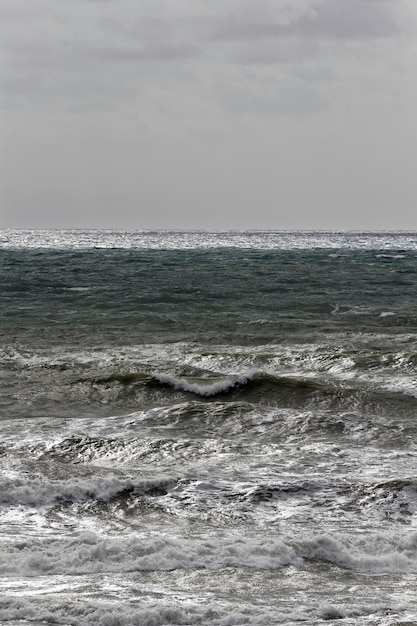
[(208, 428)]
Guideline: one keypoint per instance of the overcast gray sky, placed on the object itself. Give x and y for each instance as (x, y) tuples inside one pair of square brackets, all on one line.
[(208, 114)]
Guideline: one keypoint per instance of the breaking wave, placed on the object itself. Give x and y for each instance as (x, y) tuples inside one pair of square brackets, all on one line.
[(203, 389), (41, 491), (88, 552)]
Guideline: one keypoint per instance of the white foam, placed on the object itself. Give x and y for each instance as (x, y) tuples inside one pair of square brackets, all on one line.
[(99, 613), (390, 256), (78, 288), (406, 386), (40, 491), (204, 390), (374, 553), (88, 552), (164, 609), (260, 321)]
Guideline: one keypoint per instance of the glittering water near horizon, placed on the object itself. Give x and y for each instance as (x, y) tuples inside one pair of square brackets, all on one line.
[(77, 239), (208, 428)]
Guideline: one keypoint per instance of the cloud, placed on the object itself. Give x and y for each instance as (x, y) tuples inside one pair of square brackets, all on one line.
[(158, 52), (267, 33), (270, 97), (325, 19), (353, 20), (79, 32), (90, 54), (185, 112)]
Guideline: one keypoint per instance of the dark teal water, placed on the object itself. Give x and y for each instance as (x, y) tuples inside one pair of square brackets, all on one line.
[(355, 310), (203, 428), (109, 296)]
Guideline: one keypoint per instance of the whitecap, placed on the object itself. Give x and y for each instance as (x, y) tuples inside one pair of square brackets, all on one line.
[(204, 390), (390, 256), (77, 288)]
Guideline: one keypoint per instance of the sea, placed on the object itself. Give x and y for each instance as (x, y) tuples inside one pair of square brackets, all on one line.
[(208, 428)]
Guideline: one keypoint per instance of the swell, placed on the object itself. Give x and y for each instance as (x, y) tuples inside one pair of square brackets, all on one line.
[(259, 388)]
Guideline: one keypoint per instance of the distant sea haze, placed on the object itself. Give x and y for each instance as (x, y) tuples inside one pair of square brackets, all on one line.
[(208, 428)]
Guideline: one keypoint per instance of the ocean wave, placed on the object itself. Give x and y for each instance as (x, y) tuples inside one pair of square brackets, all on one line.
[(404, 386), (342, 378), (371, 553), (287, 501), (254, 380), (170, 479), (209, 386), (264, 389), (205, 390), (41, 491), (194, 427), (161, 610), (98, 613), (88, 552), (390, 256)]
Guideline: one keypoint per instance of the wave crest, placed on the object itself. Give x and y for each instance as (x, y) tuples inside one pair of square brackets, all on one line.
[(205, 390)]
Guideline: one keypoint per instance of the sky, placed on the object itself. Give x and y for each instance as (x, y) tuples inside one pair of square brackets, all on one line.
[(208, 114)]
